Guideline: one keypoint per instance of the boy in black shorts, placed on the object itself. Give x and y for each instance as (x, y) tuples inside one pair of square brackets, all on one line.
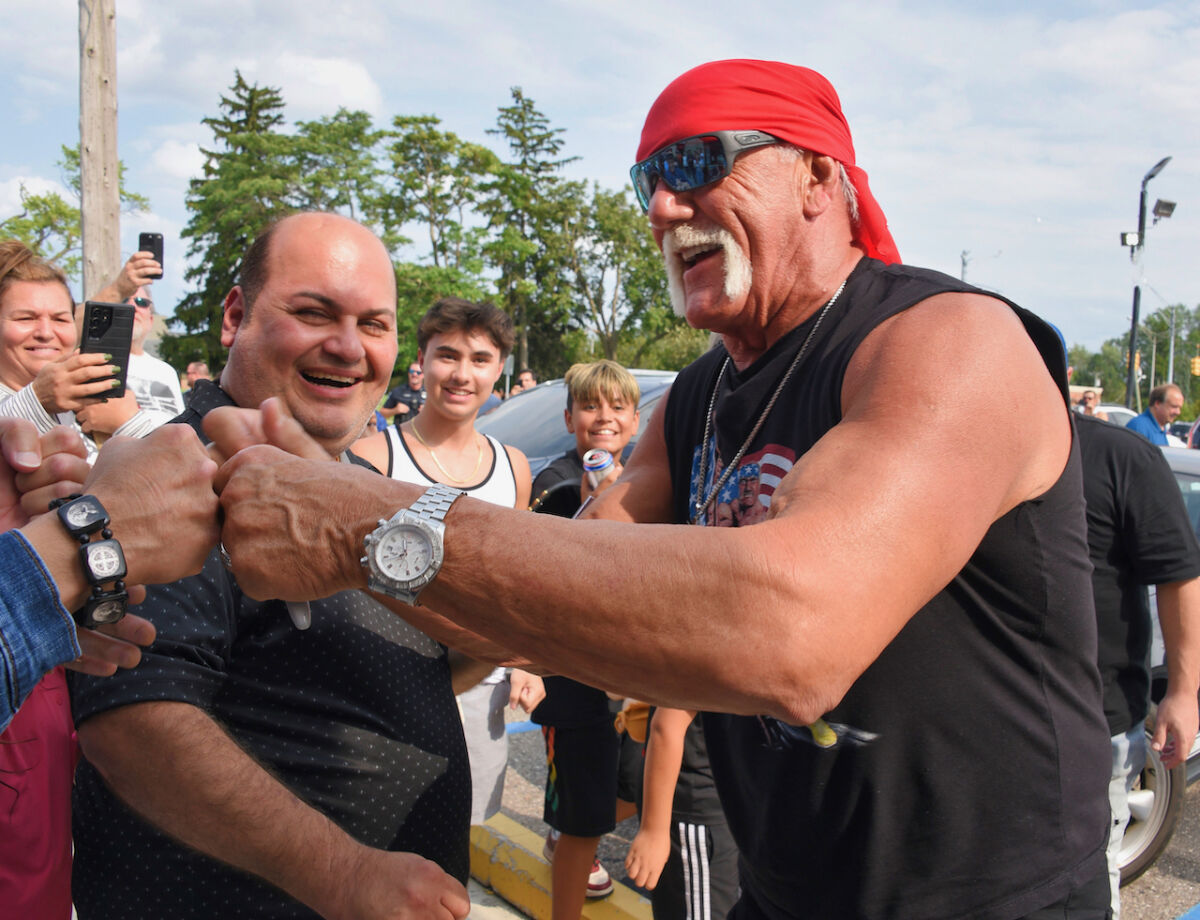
[(582, 747)]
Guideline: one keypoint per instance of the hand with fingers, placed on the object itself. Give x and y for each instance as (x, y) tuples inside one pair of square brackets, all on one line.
[(74, 382)]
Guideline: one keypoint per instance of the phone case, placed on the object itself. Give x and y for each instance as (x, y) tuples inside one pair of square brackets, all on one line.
[(108, 329), (152, 243)]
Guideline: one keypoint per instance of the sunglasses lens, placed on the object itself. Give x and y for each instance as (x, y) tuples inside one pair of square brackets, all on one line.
[(685, 165)]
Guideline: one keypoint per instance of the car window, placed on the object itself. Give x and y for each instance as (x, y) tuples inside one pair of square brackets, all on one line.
[(531, 421)]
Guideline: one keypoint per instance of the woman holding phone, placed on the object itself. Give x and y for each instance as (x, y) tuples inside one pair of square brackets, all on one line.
[(43, 377)]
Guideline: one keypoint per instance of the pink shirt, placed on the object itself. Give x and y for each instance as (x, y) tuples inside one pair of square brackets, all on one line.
[(37, 763)]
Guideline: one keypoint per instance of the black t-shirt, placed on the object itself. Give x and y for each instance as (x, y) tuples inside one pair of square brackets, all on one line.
[(568, 703), (1139, 534), (355, 715), (970, 769)]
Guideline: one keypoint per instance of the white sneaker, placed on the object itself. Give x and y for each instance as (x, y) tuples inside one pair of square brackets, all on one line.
[(600, 883)]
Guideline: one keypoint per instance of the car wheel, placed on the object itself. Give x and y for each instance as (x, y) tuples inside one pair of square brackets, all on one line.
[(1154, 805)]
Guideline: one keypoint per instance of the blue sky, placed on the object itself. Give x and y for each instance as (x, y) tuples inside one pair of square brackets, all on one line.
[(1018, 135)]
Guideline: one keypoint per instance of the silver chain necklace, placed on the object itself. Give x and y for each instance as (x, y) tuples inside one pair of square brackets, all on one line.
[(698, 506)]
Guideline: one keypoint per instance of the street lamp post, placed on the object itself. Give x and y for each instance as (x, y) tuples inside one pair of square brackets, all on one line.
[(1135, 242)]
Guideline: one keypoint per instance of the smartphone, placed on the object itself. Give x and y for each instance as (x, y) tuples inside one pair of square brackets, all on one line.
[(108, 329), (153, 244)]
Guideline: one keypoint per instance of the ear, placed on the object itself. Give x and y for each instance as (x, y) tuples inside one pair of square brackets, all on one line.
[(567, 419), (823, 183), (233, 315)]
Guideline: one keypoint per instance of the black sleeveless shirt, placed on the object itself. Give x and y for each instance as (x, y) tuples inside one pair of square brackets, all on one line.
[(967, 774)]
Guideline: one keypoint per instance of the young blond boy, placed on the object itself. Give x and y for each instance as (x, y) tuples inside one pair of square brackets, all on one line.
[(582, 747)]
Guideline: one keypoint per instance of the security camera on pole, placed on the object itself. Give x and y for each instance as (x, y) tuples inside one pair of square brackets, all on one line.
[(1135, 242)]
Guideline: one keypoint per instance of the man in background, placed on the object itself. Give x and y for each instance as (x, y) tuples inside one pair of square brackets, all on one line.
[(1166, 402), (1139, 534), (406, 400), (196, 371)]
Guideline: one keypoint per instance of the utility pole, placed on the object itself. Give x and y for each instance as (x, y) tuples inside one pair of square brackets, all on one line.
[(99, 175), (1136, 242)]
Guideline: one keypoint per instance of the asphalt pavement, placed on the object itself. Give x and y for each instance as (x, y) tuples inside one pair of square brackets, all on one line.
[(1171, 887), (1169, 890)]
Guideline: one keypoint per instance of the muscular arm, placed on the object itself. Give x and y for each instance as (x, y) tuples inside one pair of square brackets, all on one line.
[(1176, 722), (777, 618), (203, 789)]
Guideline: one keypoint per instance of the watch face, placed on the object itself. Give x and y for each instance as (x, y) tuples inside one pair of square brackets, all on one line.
[(404, 553), (83, 512), (105, 561), (108, 611)]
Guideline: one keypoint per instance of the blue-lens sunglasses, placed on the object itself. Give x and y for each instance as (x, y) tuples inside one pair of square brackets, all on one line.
[(693, 162)]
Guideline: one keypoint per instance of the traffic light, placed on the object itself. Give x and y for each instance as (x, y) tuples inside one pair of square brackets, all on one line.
[(1196, 366)]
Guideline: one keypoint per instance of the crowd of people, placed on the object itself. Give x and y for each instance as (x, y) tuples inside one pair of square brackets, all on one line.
[(871, 698)]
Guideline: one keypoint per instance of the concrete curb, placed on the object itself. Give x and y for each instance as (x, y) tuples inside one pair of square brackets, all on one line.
[(507, 858)]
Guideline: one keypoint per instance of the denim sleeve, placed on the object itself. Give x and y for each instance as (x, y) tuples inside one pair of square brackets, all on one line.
[(36, 631)]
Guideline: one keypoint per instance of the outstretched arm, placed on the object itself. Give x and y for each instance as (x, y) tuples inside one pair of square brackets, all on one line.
[(782, 617)]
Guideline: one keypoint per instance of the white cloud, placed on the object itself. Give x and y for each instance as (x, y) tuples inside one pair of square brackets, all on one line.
[(177, 159), (973, 120), (315, 86), (10, 191)]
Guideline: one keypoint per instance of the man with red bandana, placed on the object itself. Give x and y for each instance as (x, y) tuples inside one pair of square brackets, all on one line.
[(896, 667)]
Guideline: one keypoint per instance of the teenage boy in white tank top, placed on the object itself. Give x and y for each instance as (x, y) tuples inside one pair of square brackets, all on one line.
[(461, 347)]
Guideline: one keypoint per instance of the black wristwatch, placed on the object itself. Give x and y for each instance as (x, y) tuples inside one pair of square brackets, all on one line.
[(103, 560)]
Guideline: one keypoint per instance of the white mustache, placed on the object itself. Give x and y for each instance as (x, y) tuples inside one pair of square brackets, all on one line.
[(738, 270)]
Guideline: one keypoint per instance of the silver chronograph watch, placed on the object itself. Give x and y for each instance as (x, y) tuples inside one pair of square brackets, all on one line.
[(404, 553)]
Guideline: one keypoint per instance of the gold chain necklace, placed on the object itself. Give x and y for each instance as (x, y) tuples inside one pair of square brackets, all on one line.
[(446, 472)]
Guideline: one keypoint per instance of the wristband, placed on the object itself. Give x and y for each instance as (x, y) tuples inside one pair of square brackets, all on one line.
[(103, 560)]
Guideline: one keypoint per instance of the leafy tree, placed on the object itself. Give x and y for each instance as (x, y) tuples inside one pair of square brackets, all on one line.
[(528, 206), (250, 177), (437, 181), (672, 351), (417, 287), (1104, 369), (620, 282), (337, 164), (50, 225)]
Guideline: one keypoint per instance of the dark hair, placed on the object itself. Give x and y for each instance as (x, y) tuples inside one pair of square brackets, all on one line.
[(451, 313), (252, 274), (1159, 393), (20, 263)]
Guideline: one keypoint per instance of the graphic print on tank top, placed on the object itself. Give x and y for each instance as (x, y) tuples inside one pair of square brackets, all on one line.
[(745, 499)]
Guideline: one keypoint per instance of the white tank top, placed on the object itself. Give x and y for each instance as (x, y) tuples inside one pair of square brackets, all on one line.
[(499, 487)]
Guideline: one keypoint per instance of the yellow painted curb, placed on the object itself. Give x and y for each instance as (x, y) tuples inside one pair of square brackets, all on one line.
[(507, 858)]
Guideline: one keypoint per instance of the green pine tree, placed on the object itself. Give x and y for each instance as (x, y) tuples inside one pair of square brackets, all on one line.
[(251, 176)]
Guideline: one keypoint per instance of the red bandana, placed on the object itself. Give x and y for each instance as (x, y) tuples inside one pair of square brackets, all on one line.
[(795, 104)]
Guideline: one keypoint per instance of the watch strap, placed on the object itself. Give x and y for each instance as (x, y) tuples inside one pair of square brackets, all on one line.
[(81, 532), (435, 502), (102, 606)]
